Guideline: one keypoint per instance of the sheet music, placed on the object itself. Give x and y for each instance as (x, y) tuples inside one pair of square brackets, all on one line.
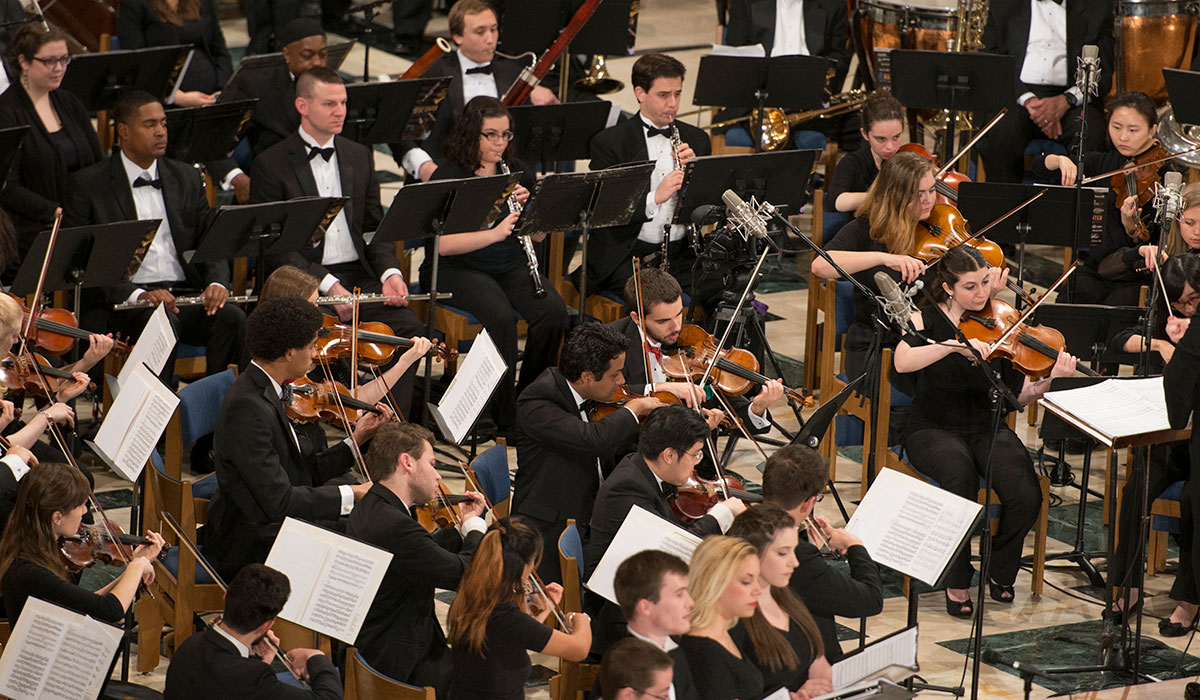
[(912, 526), (136, 421), (56, 654), (749, 50), (899, 649), (1116, 407), (152, 348), (334, 578), (641, 530), (470, 389)]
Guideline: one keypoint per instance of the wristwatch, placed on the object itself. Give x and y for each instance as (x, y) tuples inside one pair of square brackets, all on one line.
[(1071, 99)]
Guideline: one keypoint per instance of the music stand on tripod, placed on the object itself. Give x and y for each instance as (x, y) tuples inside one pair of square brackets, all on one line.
[(209, 133), (98, 79), (392, 112)]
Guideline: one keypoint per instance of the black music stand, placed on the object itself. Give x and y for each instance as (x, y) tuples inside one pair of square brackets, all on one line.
[(975, 82), (553, 133), (335, 54), (531, 25), (394, 111), (1183, 92), (205, 134), (266, 229), (10, 141), (790, 83), (439, 208), (780, 177), (98, 79), (596, 199), (611, 30)]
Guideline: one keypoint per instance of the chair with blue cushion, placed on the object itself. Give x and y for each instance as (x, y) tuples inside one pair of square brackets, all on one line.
[(195, 417), (1164, 520), (573, 677), (490, 473), (365, 683), (458, 327)]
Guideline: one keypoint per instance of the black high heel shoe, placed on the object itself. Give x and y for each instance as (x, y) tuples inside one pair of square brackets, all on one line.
[(1169, 628), (997, 592), (959, 608)]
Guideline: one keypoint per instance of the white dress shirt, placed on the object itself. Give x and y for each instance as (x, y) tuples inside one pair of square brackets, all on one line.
[(1046, 53), (474, 85), (16, 465), (789, 29), (161, 263), (658, 149), (668, 647), (241, 648)]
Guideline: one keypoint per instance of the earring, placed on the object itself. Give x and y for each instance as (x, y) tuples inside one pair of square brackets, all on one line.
[(25, 80)]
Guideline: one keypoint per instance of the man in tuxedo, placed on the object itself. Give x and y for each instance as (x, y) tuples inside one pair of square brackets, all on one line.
[(137, 182), (474, 69), (315, 161), (401, 636), (634, 668), (561, 455), (793, 480), (657, 84), (232, 659), (1046, 39), (265, 472), (16, 463), (274, 117)]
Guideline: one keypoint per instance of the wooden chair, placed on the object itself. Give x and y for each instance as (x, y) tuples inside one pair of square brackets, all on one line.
[(812, 326), (456, 326), (365, 683), (573, 677)]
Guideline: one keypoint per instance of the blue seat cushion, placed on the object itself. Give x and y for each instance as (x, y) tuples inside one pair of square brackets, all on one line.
[(183, 350), (171, 561), (205, 487), (1165, 523)]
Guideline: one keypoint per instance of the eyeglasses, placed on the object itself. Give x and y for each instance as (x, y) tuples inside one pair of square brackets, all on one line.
[(656, 697), (54, 62), (699, 456), (498, 136)]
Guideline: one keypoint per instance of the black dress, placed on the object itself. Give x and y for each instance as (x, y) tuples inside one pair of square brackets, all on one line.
[(139, 27), (502, 672), (719, 675), (24, 579), (854, 173), (948, 440), (793, 678)]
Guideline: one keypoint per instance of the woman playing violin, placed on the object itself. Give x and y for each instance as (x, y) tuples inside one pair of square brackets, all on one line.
[(949, 431), (882, 129), (1184, 236), (50, 505)]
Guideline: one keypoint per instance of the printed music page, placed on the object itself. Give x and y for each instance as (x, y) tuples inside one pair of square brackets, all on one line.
[(896, 652), (912, 526), (56, 654), (641, 530), (152, 348), (334, 578), (470, 389), (1116, 407), (136, 421)]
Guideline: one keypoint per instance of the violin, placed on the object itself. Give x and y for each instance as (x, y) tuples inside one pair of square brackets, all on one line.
[(604, 409), (56, 330), (19, 375), (376, 342), (698, 495), (317, 401), (1139, 183), (946, 186), (1033, 349), (736, 370), (106, 544), (443, 511), (947, 228)]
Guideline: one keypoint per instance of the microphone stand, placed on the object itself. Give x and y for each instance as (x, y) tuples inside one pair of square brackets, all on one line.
[(1080, 220)]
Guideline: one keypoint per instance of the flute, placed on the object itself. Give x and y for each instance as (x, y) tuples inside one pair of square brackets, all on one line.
[(249, 298)]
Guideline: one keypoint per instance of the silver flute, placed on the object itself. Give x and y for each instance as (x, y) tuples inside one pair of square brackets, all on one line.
[(251, 298), (531, 259), (676, 144)]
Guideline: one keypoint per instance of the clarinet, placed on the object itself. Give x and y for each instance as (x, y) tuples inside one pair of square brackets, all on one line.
[(666, 241), (531, 259)]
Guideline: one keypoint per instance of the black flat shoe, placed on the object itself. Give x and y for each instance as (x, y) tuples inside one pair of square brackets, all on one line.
[(1170, 628), (997, 592), (961, 609), (1118, 616)]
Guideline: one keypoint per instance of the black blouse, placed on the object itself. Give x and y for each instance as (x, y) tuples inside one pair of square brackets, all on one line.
[(498, 257), (24, 579), (501, 673), (856, 236), (793, 678), (719, 675), (138, 27), (854, 173)]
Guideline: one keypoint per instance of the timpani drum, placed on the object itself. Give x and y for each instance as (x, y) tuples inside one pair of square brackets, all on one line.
[(1155, 34), (928, 25)]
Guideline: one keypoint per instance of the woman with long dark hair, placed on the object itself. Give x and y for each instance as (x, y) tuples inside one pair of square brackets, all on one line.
[(195, 23)]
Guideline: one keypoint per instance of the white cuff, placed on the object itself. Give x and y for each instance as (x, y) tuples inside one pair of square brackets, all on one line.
[(388, 273), (347, 499), (326, 282), (635, 418), (1078, 95), (1025, 97), (217, 284), (472, 524), (651, 205), (759, 422), (723, 515), (227, 183), (136, 293), (413, 159), (16, 464)]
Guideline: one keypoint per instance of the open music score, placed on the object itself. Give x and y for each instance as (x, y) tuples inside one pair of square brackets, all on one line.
[(56, 654), (250, 298)]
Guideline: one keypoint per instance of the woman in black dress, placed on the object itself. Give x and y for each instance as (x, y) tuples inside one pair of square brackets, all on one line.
[(949, 431), (494, 623), (50, 504), (60, 139), (723, 582), (144, 23), (781, 637), (882, 129), (486, 270)]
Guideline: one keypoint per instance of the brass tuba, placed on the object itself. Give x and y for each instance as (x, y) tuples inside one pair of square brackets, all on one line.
[(1177, 138), (597, 80)]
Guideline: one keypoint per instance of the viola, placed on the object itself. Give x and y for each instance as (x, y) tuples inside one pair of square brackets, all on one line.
[(56, 330), (736, 370), (376, 342), (317, 401), (105, 543), (947, 228), (443, 511), (1139, 183), (1033, 349), (946, 186), (18, 374), (604, 409), (698, 495)]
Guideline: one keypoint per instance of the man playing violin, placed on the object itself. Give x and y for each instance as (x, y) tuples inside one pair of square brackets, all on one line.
[(401, 636)]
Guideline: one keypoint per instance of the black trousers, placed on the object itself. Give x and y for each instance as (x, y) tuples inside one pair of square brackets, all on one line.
[(496, 300), (1003, 148), (1185, 587), (549, 569), (1167, 464), (956, 461)]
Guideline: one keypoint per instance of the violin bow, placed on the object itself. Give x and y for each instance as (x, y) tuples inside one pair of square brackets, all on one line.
[(354, 342), (345, 416), (1162, 287), (641, 314), (737, 421), (1137, 166), (31, 321), (963, 151), (1029, 312)]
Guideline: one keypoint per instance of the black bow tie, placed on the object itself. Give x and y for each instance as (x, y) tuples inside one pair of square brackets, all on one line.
[(1056, 2), (145, 182), (587, 406), (669, 490), (651, 131), (325, 153), (480, 69)]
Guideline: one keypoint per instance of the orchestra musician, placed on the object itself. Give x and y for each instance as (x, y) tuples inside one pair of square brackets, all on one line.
[(562, 456), (633, 668), (487, 271), (232, 658), (882, 128), (949, 434), (401, 637), (194, 23)]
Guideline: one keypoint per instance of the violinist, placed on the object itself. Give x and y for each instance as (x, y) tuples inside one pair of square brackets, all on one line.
[(265, 473), (493, 625), (882, 129), (232, 659), (949, 435), (487, 271), (670, 445), (1184, 236), (561, 456), (50, 505), (401, 637), (1114, 270)]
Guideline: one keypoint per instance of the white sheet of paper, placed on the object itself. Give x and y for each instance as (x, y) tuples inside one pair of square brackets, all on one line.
[(56, 654), (1116, 407), (898, 649), (334, 578), (153, 346), (641, 530), (749, 50), (780, 693), (912, 526), (470, 389), (136, 421)]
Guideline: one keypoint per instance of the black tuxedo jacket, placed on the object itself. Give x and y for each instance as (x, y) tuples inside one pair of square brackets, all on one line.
[(263, 477), (685, 689), (274, 117), (400, 628), (100, 194), (828, 591), (625, 144), (825, 29), (8, 494), (282, 173), (1007, 32), (207, 665), (1181, 386), (556, 456)]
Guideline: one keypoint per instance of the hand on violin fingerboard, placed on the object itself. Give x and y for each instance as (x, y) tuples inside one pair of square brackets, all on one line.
[(713, 416)]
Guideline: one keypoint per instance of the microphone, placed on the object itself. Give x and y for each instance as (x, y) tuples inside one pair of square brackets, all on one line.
[(897, 304), (1168, 198), (1022, 669), (1087, 71), (744, 218)]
